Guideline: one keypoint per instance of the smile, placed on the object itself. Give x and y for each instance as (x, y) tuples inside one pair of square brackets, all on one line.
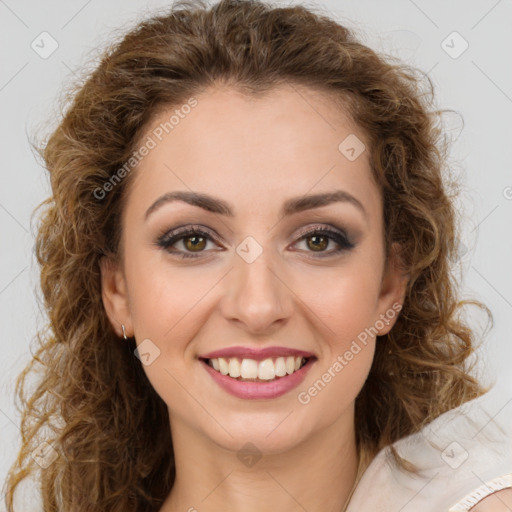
[(250, 370), (258, 380)]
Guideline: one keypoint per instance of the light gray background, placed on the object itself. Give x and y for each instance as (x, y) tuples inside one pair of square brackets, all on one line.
[(477, 84)]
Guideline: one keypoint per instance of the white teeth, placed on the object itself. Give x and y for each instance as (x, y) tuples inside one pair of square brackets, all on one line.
[(280, 367), (234, 368), (268, 369), (248, 369), (223, 366)]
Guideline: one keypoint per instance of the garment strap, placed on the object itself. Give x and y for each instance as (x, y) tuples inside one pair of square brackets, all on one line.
[(502, 482)]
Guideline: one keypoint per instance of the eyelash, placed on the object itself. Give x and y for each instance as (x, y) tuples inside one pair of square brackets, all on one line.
[(166, 240)]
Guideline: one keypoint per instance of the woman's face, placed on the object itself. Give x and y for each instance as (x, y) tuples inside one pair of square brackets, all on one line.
[(271, 267)]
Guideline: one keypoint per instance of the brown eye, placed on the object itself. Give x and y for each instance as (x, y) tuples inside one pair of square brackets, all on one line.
[(197, 243), (318, 243), (186, 243)]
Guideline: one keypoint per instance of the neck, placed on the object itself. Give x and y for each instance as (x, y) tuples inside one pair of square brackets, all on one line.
[(319, 474)]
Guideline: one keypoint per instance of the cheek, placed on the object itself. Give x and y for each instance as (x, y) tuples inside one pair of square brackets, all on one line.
[(163, 297), (344, 320), (344, 300), (330, 393), (345, 316)]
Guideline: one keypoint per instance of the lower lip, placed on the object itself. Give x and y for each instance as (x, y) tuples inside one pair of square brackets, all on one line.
[(259, 390)]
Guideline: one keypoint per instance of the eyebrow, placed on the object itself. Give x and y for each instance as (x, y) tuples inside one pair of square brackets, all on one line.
[(290, 206)]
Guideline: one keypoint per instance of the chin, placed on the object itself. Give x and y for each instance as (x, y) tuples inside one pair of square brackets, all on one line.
[(269, 432)]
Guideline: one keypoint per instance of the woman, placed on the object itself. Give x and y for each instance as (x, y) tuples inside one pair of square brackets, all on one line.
[(245, 263)]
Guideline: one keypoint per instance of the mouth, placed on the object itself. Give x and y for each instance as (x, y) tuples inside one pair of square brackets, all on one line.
[(271, 369)]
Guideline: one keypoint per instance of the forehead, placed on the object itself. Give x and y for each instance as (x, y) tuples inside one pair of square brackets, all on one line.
[(290, 141)]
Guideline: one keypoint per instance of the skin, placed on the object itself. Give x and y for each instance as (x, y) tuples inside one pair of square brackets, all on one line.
[(500, 501), (255, 154)]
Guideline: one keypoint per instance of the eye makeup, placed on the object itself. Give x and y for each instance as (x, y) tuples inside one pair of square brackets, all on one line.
[(202, 235)]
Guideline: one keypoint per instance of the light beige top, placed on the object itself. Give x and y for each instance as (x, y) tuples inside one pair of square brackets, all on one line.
[(464, 456)]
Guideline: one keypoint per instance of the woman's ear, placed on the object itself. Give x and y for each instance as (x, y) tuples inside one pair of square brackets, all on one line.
[(393, 288), (114, 295)]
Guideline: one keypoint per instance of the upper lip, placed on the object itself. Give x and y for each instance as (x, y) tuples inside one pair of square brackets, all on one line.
[(257, 354)]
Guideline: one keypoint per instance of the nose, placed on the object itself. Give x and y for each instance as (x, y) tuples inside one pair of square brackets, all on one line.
[(256, 296)]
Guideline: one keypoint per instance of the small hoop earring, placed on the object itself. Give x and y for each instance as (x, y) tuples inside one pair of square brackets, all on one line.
[(124, 332)]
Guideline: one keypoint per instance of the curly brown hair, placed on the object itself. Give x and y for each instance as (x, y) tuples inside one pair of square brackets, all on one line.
[(93, 402)]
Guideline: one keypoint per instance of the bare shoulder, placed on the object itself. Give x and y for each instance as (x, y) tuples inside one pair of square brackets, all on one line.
[(500, 501)]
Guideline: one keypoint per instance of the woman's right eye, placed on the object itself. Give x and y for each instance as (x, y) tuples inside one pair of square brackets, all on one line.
[(193, 240)]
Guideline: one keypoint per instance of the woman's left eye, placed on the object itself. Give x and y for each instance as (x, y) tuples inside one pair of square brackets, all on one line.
[(194, 240), (319, 238)]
